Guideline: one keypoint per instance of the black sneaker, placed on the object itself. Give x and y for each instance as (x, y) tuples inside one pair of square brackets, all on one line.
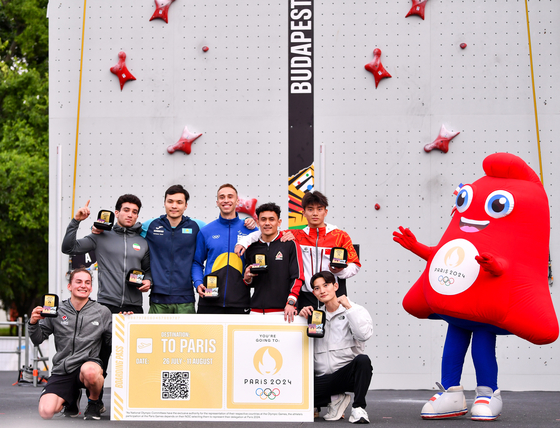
[(100, 399), (93, 410), (72, 410)]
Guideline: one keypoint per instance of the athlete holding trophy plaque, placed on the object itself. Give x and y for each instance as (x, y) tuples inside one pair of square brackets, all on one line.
[(321, 245), (278, 282)]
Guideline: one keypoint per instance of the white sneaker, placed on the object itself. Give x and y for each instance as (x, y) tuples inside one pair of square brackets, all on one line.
[(336, 409), (445, 404), (487, 404), (359, 416)]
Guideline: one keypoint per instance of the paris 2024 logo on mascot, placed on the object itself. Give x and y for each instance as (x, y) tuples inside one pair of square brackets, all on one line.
[(488, 275)]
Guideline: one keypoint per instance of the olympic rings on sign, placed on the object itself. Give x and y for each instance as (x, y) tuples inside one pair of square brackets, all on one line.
[(445, 280), (271, 394)]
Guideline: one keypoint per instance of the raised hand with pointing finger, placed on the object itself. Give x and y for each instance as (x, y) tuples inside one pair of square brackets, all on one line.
[(83, 212)]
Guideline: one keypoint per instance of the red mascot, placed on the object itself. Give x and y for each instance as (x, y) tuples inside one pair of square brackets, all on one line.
[(488, 275)]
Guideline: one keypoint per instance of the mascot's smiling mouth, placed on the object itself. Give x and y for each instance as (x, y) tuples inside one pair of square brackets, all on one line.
[(472, 226)]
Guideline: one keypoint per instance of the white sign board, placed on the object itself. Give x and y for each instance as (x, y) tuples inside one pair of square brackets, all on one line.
[(208, 367)]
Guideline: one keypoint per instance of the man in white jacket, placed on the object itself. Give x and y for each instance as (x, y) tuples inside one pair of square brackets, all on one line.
[(341, 364)]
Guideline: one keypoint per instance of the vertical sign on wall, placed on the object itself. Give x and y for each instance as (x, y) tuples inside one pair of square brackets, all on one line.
[(300, 99)]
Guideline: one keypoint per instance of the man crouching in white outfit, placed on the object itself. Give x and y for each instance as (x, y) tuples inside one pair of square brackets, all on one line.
[(341, 365)]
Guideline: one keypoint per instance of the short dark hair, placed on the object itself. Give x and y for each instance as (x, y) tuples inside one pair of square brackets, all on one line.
[(78, 270), (315, 197), (177, 188), (227, 185), (270, 206), (326, 275), (131, 199)]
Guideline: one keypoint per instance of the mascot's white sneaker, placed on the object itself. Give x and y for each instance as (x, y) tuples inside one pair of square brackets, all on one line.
[(487, 405), (445, 404)]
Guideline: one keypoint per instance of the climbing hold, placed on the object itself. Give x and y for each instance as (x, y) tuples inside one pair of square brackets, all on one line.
[(247, 206), (162, 9), (376, 68), (442, 141), (121, 71), (418, 7), (185, 142)]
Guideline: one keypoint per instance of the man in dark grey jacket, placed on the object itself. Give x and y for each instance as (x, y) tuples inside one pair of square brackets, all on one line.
[(117, 251), (80, 328)]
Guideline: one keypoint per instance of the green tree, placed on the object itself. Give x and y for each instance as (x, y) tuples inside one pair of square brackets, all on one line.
[(23, 152), (24, 25)]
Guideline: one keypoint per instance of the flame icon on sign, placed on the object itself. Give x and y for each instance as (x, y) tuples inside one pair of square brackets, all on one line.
[(454, 257), (268, 360)]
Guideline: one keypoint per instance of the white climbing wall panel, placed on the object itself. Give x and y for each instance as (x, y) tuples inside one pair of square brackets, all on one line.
[(236, 96)]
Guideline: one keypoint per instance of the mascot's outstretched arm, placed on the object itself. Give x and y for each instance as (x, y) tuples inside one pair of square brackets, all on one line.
[(407, 239), (494, 265)]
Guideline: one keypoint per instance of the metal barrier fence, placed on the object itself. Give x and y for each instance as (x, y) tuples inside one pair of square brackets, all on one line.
[(28, 371), (19, 324)]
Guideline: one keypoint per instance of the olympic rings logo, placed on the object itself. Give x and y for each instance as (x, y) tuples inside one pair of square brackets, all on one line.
[(271, 394), (445, 280)]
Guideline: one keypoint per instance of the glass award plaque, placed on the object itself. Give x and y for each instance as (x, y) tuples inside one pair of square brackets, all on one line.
[(105, 220), (50, 305), (212, 290), (339, 257), (134, 277), (316, 324)]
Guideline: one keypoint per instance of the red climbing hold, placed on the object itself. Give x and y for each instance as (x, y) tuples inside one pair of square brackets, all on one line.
[(376, 68), (247, 206), (121, 71), (418, 7), (185, 142), (162, 9), (442, 141)]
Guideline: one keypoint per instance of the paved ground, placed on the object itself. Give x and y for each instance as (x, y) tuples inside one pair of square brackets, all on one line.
[(18, 409)]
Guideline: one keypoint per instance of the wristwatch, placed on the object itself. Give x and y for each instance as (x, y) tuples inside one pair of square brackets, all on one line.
[(291, 302)]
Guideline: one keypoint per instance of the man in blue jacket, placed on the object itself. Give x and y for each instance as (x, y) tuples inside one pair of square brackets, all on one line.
[(215, 244), (172, 242)]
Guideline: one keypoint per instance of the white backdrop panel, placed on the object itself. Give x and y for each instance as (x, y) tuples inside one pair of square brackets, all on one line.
[(236, 96)]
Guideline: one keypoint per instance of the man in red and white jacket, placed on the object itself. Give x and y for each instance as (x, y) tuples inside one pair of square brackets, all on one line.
[(316, 242)]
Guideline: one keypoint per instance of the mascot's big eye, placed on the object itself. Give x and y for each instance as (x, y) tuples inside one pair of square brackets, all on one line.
[(499, 204), (464, 198)]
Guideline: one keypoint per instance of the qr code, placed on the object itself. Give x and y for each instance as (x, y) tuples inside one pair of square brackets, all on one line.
[(176, 385)]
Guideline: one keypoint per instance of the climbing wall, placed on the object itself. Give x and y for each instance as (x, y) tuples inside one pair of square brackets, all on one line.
[(222, 70)]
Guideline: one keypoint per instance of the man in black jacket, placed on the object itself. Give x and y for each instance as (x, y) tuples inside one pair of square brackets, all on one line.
[(79, 330), (276, 289)]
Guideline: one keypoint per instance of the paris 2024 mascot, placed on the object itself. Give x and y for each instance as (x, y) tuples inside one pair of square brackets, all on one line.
[(488, 275)]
